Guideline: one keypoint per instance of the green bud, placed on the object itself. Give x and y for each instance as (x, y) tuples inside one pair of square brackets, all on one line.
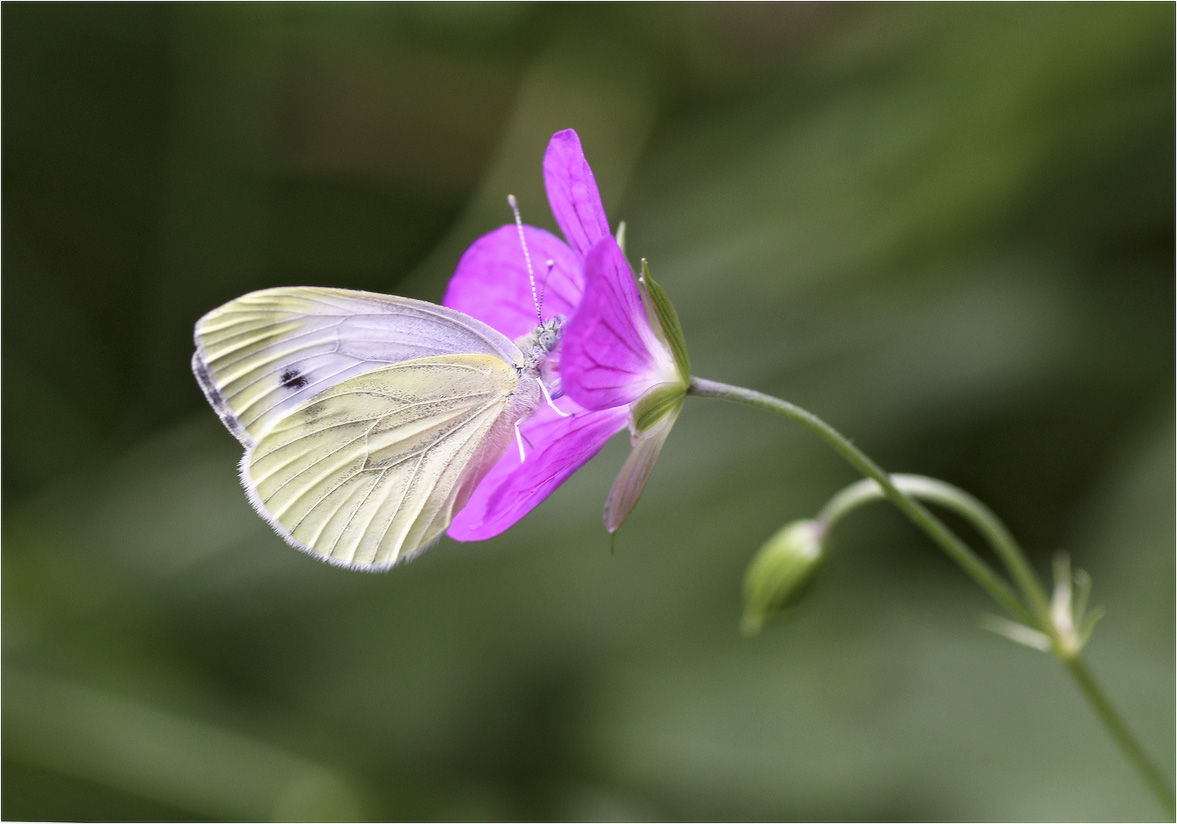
[(781, 572)]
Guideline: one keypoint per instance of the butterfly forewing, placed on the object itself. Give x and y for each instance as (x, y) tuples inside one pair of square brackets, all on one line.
[(261, 355), (369, 471)]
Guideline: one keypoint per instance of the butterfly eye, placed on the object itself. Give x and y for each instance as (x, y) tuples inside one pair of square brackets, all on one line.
[(550, 333)]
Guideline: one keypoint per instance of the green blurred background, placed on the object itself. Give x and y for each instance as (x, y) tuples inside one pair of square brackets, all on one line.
[(949, 230)]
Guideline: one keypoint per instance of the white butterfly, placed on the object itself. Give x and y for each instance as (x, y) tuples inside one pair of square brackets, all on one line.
[(367, 419)]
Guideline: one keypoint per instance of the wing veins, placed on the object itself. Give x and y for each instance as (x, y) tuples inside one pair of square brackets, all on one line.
[(417, 458), (351, 516), (408, 486), (325, 473), (264, 369), (228, 365), (372, 421), (331, 377)]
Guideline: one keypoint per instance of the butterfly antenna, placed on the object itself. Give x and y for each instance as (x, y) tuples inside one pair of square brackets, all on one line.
[(549, 265), (535, 296)]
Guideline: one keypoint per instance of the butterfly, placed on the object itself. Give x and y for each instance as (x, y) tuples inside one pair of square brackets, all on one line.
[(367, 419)]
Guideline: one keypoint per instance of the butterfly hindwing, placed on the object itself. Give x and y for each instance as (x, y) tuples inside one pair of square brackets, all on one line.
[(369, 471)]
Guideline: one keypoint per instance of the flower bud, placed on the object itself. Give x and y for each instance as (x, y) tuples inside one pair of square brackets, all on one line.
[(781, 572)]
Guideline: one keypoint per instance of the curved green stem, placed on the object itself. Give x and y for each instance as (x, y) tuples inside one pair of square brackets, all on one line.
[(977, 569), (1065, 649), (1034, 608), (969, 508)]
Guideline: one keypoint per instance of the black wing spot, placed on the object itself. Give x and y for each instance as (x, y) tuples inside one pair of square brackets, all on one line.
[(293, 379)]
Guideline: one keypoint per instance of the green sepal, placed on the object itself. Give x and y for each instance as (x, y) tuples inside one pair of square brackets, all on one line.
[(667, 321), (647, 446), (661, 401)]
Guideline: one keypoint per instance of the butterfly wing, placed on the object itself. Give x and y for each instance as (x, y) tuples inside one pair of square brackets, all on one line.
[(262, 355), (371, 470), (367, 419)]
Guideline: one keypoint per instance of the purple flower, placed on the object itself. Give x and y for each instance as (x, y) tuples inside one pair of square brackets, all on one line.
[(614, 367)]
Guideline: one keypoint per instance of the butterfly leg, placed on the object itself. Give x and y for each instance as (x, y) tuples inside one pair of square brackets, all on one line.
[(548, 397), (519, 440)]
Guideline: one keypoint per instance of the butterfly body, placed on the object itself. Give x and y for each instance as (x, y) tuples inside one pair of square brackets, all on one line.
[(367, 420)]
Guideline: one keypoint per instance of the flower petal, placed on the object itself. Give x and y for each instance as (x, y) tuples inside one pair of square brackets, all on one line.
[(491, 282), (572, 192), (559, 447), (610, 355)]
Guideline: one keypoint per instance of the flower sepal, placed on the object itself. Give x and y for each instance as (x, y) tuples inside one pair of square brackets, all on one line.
[(651, 408), (665, 321), (647, 446)]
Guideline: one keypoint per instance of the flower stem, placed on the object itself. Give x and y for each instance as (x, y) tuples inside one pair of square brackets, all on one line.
[(977, 569), (980, 516), (1118, 729), (1033, 607)]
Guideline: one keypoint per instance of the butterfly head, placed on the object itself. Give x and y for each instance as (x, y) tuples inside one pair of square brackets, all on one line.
[(539, 355), (538, 345)]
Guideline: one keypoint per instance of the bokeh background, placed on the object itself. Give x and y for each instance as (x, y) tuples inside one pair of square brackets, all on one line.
[(949, 230)]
